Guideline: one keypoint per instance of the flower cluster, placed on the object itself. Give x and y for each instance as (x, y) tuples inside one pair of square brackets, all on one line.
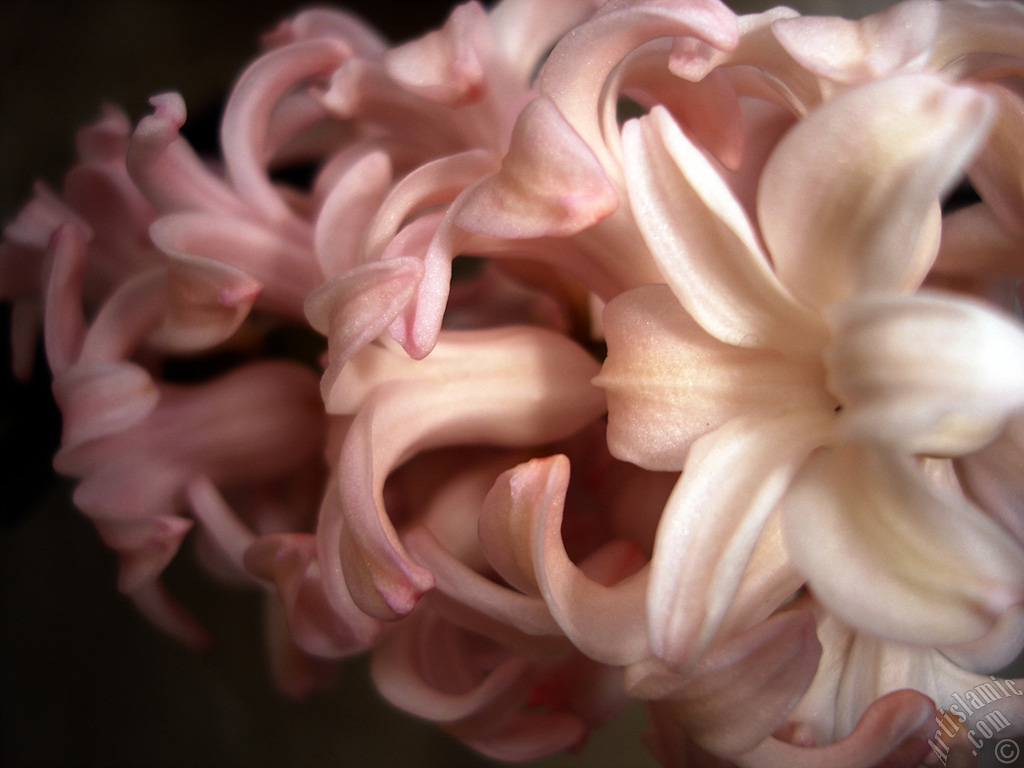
[(658, 353)]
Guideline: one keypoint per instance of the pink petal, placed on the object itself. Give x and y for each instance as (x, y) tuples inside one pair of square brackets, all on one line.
[(101, 398), (525, 30), (167, 170), (466, 598), (247, 115), (432, 184), (993, 477), (322, 626), (348, 209), (712, 523), (849, 200), (207, 301), (508, 387), (445, 66), (288, 271), (975, 244), (891, 554), (167, 614), (550, 183), (741, 692), (620, 27), (64, 328), (520, 528), (704, 243), (356, 307), (931, 373), (669, 382), (329, 23), (901, 718), (997, 170)]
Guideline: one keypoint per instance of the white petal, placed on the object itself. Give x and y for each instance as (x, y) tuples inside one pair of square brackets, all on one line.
[(930, 373), (891, 554), (669, 382), (732, 481), (849, 199), (704, 243)]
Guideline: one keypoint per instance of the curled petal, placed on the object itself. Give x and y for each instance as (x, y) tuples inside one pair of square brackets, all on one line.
[(712, 523), (669, 382), (527, 29), (244, 128), (331, 23), (432, 184), (156, 604), (520, 528), (848, 202), (348, 209), (847, 51), (287, 270), (206, 302), (862, 523), (64, 328), (316, 623), (932, 374), (993, 478), (507, 387), (468, 599), (144, 546), (101, 398), (997, 170), (705, 245), (436, 671), (617, 29), (445, 65), (976, 244), (166, 169), (902, 720), (550, 182), (741, 692), (356, 307)]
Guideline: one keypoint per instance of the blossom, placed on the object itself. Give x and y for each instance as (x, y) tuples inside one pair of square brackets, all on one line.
[(634, 351)]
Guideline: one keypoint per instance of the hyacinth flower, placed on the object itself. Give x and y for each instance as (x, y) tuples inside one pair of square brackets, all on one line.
[(801, 530)]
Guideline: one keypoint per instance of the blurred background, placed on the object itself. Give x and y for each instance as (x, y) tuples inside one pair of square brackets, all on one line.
[(84, 681)]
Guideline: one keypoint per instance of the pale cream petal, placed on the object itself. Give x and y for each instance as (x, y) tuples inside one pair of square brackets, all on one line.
[(849, 200), (993, 478), (669, 382), (853, 51), (931, 373), (891, 554), (705, 245), (713, 520)]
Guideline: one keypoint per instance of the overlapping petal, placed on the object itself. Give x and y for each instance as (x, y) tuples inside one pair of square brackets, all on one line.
[(891, 554)]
